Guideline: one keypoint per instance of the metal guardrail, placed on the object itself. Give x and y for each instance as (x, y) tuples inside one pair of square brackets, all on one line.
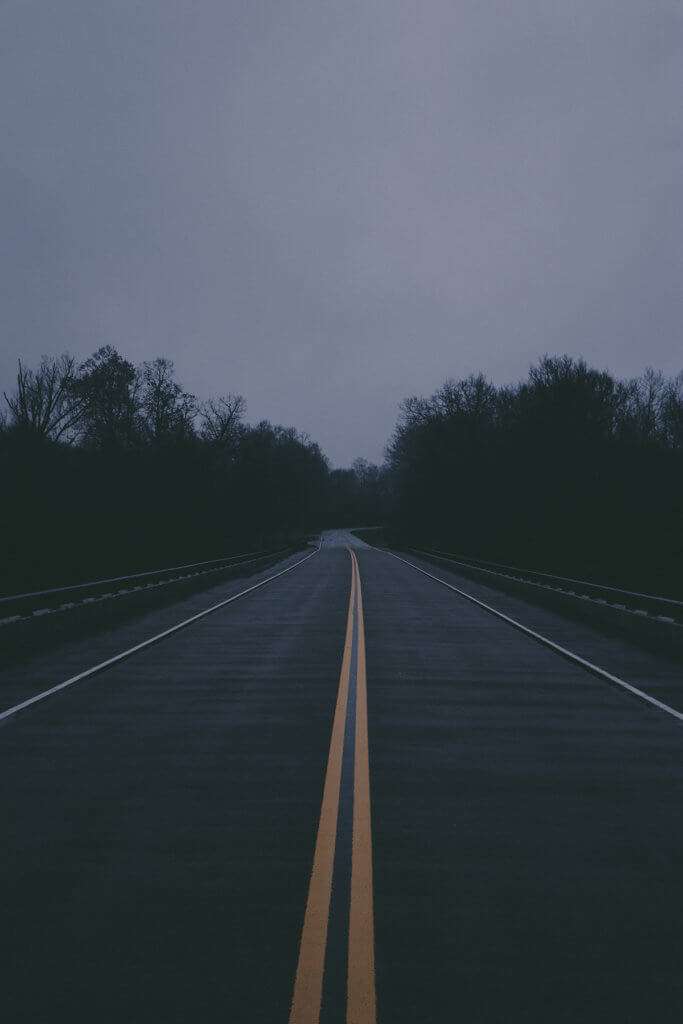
[(664, 608), (34, 602)]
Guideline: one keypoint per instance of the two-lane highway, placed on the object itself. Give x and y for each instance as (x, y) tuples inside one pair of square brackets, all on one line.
[(348, 795)]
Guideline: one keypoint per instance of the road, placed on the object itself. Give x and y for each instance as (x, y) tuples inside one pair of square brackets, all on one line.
[(349, 795)]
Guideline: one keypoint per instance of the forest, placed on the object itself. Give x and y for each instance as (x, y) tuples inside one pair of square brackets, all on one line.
[(571, 471), (111, 467)]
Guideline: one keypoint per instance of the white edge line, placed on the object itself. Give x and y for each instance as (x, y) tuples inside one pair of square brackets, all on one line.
[(595, 669), (145, 643)]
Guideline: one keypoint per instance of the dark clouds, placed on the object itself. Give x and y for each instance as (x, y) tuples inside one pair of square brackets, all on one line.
[(329, 206)]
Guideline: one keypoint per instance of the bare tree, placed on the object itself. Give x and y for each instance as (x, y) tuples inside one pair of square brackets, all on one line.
[(168, 410), (652, 409), (672, 412), (222, 419), (46, 402)]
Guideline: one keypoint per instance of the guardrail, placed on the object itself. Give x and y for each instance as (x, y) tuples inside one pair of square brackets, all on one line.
[(37, 602), (665, 609)]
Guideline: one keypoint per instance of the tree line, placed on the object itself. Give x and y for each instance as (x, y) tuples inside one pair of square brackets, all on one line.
[(109, 466), (572, 470), (112, 467)]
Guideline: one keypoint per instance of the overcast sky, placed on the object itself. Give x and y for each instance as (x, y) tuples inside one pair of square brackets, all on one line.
[(330, 206)]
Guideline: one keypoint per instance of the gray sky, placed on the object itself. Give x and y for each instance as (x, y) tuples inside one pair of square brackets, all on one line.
[(331, 206)]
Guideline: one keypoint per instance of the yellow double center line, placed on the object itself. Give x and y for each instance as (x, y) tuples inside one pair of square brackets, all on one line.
[(360, 980)]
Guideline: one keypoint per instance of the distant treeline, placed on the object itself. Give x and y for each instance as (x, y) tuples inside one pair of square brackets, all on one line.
[(108, 467), (571, 470)]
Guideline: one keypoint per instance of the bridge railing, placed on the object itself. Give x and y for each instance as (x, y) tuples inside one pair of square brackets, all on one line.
[(13, 606), (664, 608)]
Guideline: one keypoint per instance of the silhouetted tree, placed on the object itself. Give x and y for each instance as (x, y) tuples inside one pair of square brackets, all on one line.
[(168, 412), (108, 388), (221, 420), (45, 403)]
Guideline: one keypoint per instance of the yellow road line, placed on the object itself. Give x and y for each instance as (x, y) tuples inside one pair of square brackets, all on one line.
[(308, 983), (361, 998)]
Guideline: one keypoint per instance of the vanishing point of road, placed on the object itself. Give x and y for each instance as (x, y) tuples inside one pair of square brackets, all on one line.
[(351, 794)]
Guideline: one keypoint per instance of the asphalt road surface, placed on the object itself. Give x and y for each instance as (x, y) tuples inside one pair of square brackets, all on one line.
[(350, 795)]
